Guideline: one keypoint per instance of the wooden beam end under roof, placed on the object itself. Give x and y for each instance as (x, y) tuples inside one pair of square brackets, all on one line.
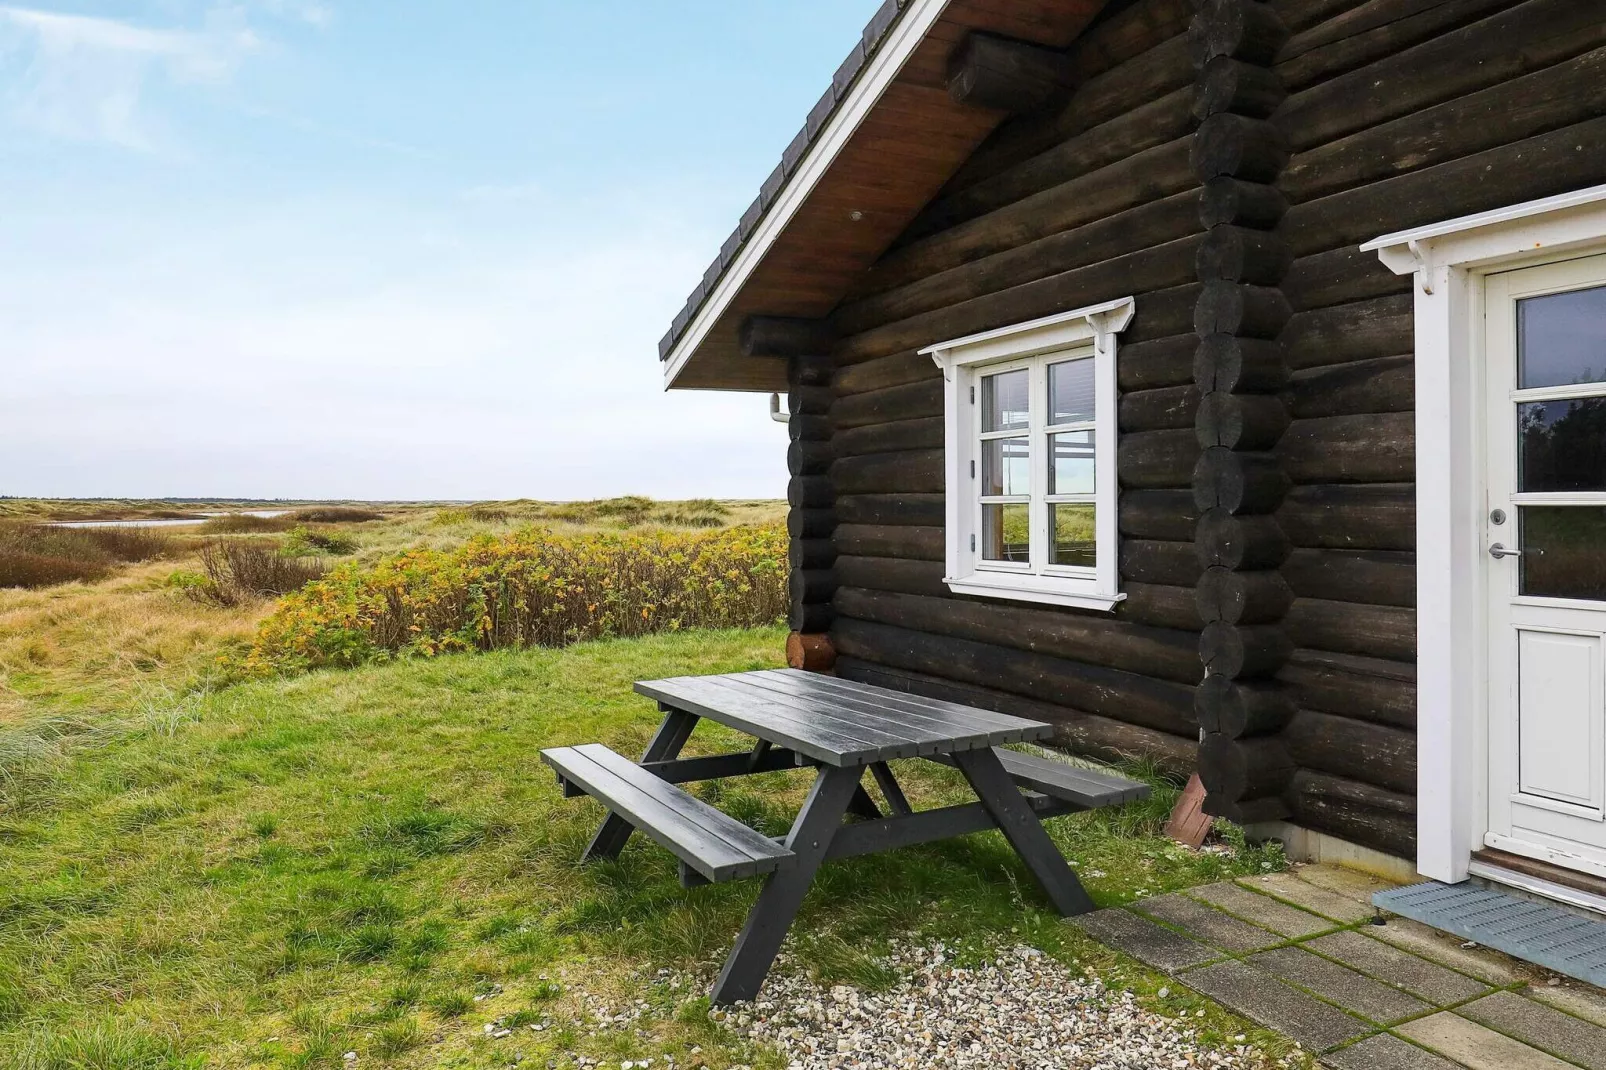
[(987, 70), (785, 336)]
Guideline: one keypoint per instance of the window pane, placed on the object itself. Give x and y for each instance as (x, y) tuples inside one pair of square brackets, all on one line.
[(1004, 401), (1563, 552), (1562, 339), (1563, 445), (1074, 535), (1070, 392), (1072, 470), (1006, 467), (1006, 532)]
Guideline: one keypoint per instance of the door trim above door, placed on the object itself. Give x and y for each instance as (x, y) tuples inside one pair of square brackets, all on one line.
[(1449, 261)]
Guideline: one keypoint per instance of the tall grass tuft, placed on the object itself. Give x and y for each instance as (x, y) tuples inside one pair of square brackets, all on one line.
[(239, 570), (529, 588), (335, 514), (246, 524), (42, 555)]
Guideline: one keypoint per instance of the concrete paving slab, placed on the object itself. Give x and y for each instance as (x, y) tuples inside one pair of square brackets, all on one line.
[(1144, 940), (1437, 984), (1302, 893), (1446, 949), (1384, 1052), (1354, 992), (1262, 910), (1271, 1003), (1476, 1047), (1543, 1027), (1574, 997), (1207, 924), (1350, 883)]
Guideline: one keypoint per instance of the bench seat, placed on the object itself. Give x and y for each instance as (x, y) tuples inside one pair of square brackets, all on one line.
[(1088, 789), (714, 845)]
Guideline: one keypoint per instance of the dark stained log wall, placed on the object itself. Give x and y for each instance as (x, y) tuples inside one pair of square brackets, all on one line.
[(1085, 199)]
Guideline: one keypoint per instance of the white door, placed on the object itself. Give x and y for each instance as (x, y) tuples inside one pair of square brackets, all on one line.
[(1545, 561)]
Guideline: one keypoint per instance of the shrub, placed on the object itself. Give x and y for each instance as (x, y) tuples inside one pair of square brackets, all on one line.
[(335, 514), (308, 542), (43, 555), (238, 571), (246, 524), (20, 568), (529, 588)]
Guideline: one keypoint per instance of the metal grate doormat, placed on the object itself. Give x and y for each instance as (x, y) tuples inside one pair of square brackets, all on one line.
[(1545, 935)]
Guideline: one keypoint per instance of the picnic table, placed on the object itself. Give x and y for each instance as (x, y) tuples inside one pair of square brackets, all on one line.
[(840, 728)]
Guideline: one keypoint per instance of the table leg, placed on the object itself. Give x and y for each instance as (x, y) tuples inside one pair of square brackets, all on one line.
[(783, 892), (862, 805), (1023, 829), (671, 736), (890, 788)]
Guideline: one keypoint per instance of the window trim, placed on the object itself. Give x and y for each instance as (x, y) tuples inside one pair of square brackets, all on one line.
[(962, 360)]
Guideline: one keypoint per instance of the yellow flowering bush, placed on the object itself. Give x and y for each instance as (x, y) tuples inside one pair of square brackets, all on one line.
[(528, 588)]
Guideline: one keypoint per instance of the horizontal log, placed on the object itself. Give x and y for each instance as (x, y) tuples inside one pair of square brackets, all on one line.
[(1001, 73), (811, 653), (1151, 561), (1351, 35), (1340, 276), (1243, 651), (1378, 516), (1371, 448), (1233, 202), (1379, 327), (810, 523), (924, 510), (803, 428), (1337, 789), (1226, 363), (1373, 577), (1245, 311), (1157, 459), (810, 617), (784, 336), (810, 492), (1239, 254), (1300, 15), (1234, 708), (911, 401), (1160, 605), (1240, 483), (1372, 689), (1245, 30), (1509, 111), (1162, 314), (925, 433), (1373, 754), (1238, 541), (910, 472), (1168, 515), (1235, 146), (1450, 64), (811, 585), (1155, 364), (1234, 770), (1260, 597), (871, 540), (1157, 704), (1353, 628), (899, 369), (892, 574), (1384, 384), (809, 400), (1163, 653), (809, 458), (1078, 731), (1167, 408), (1390, 833), (811, 553), (1231, 85), (1240, 421)]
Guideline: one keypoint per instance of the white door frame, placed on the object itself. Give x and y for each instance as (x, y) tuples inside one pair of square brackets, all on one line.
[(1449, 261)]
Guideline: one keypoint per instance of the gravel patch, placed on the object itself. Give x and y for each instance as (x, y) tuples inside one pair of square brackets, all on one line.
[(1021, 1009)]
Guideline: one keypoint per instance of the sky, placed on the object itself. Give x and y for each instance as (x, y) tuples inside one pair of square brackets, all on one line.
[(390, 249)]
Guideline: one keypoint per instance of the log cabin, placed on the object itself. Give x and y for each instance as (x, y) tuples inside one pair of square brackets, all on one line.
[(1223, 381)]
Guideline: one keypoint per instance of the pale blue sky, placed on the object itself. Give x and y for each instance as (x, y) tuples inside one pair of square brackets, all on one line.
[(397, 249)]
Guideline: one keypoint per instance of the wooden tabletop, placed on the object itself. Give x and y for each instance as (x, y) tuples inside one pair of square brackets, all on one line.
[(839, 722)]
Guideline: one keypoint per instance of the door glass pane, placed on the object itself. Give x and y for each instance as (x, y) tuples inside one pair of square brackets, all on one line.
[(1074, 534), (1070, 392), (1006, 467), (1004, 401), (1006, 534), (1072, 470), (1563, 445), (1561, 339), (1563, 551)]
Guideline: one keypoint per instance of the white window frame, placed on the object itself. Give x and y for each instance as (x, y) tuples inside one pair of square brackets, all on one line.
[(1450, 262), (1036, 344)]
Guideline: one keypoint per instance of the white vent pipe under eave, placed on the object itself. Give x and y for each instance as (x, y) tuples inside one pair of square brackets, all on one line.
[(775, 410)]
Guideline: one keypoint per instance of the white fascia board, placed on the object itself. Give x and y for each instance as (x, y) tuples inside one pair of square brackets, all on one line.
[(1036, 336), (906, 36)]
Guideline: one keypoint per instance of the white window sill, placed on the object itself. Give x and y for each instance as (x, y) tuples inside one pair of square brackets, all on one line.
[(1045, 589)]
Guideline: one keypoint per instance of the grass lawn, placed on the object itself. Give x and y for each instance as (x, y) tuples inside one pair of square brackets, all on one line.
[(281, 872)]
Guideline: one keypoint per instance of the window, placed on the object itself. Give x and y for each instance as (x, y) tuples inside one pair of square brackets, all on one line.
[(1031, 476)]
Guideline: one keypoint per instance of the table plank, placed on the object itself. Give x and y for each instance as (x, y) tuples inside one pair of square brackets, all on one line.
[(920, 703), (865, 711)]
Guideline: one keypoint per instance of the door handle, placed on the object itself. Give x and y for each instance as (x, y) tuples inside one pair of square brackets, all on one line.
[(1498, 551)]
